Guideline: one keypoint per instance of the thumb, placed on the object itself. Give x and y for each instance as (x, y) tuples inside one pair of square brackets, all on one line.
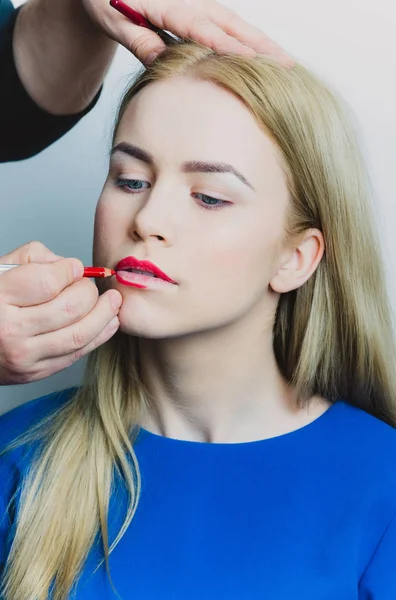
[(145, 44), (32, 252)]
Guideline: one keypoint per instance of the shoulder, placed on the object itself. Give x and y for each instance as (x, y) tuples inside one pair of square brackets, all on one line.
[(366, 445), (20, 419), (15, 462), (362, 427)]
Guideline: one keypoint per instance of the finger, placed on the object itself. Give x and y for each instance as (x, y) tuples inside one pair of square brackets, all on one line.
[(33, 284), (30, 252), (71, 305), (209, 34), (75, 337), (188, 23), (145, 44), (107, 333), (247, 34), (50, 366)]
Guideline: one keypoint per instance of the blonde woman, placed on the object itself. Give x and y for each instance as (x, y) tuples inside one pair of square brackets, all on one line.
[(235, 438)]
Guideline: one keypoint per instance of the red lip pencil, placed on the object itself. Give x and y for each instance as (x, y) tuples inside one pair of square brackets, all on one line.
[(138, 19), (88, 271), (98, 272)]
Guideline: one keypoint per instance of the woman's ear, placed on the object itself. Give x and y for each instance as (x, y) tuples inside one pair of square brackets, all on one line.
[(300, 264)]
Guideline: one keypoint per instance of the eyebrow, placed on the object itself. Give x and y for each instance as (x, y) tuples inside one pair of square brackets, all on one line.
[(192, 166)]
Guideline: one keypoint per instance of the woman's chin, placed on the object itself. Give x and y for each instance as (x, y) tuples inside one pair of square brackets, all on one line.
[(141, 328), (142, 318)]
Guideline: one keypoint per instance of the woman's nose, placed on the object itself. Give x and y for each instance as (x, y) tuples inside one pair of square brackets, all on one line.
[(153, 220)]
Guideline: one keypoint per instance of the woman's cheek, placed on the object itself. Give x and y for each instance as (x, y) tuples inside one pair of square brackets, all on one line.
[(102, 215), (103, 232)]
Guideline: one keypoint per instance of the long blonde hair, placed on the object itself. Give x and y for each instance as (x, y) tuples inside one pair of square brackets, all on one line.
[(332, 337)]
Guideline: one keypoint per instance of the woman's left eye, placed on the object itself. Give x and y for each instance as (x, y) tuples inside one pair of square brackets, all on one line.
[(137, 185), (208, 202), (132, 185)]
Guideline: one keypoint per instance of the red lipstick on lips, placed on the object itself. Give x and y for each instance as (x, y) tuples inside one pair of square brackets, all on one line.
[(129, 272)]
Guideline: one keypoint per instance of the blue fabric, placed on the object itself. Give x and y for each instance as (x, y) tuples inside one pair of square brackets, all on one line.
[(309, 514)]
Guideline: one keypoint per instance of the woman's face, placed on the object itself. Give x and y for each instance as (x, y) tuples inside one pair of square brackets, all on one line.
[(196, 187)]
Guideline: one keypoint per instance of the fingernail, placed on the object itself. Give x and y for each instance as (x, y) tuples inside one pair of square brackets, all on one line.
[(78, 270), (152, 56), (115, 301), (113, 324)]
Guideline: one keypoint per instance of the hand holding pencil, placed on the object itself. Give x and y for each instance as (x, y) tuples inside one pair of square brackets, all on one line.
[(140, 24), (50, 314)]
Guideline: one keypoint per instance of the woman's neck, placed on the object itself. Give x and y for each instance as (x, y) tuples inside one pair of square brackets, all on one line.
[(220, 387)]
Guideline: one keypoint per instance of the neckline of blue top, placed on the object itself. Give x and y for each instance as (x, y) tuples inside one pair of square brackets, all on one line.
[(318, 426)]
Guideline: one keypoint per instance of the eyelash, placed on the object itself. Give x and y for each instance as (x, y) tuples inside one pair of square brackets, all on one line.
[(124, 184)]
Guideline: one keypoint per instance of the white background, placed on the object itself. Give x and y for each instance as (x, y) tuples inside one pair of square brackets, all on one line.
[(350, 43)]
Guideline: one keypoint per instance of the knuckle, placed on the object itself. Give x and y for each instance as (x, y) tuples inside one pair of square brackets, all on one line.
[(34, 247), (98, 341), (77, 355), (142, 46), (50, 285), (72, 308), (15, 360), (78, 338)]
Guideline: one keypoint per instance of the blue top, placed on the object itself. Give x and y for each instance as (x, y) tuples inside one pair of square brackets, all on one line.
[(306, 515)]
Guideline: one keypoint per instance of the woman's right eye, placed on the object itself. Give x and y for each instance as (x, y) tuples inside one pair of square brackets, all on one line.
[(132, 185)]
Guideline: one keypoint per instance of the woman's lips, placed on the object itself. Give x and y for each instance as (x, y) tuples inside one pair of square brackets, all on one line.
[(140, 281), (148, 275)]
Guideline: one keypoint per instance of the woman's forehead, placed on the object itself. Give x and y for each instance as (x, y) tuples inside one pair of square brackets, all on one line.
[(195, 120)]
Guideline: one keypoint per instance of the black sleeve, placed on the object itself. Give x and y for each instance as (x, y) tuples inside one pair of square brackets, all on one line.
[(25, 128)]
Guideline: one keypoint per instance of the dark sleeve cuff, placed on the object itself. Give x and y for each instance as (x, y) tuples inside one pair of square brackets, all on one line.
[(25, 128)]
